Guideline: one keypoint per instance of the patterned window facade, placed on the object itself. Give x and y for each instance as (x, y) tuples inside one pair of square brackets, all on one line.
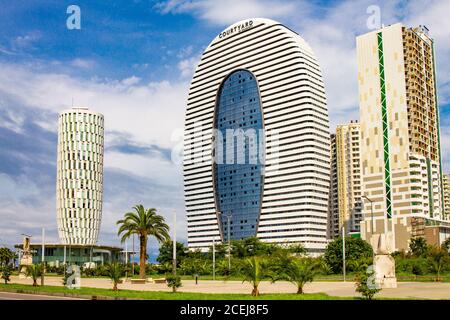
[(238, 169)]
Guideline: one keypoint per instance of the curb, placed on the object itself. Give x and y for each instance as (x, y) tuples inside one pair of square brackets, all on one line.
[(63, 294)]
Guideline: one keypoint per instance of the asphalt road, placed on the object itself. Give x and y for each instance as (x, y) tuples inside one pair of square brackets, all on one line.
[(23, 296)]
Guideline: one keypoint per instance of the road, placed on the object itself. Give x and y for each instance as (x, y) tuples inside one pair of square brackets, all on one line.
[(23, 296)]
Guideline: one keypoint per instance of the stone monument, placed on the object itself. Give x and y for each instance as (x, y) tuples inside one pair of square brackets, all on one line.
[(26, 259), (384, 264)]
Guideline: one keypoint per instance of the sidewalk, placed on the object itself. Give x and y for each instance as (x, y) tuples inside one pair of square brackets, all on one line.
[(415, 290)]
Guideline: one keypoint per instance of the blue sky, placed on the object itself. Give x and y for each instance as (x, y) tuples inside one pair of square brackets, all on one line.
[(132, 61)]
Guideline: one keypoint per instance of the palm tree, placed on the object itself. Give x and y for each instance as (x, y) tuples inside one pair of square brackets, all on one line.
[(144, 223), (299, 271), (34, 271), (115, 272), (253, 271)]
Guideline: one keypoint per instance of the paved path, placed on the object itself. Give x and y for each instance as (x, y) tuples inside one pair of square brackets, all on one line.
[(420, 290), (23, 296)]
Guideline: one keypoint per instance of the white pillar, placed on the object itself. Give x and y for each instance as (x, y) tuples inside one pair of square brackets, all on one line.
[(343, 250), (174, 242), (43, 257), (43, 245), (214, 258)]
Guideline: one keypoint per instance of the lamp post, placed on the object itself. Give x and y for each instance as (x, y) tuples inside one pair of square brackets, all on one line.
[(132, 258), (174, 244), (126, 260), (229, 242), (70, 246), (214, 258), (343, 251), (371, 212), (43, 257)]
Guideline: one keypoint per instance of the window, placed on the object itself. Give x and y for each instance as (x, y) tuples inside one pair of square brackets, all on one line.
[(237, 98)]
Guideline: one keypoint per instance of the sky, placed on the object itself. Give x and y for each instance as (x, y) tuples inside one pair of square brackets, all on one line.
[(133, 62)]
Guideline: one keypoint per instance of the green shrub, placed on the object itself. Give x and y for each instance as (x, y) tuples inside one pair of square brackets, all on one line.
[(365, 284), (173, 281), (416, 266), (6, 273), (355, 249), (150, 269)]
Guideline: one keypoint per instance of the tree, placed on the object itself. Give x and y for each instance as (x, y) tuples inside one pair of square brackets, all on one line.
[(34, 271), (253, 271), (221, 250), (166, 252), (6, 273), (365, 284), (173, 281), (299, 271), (6, 255), (192, 266), (222, 267), (144, 223), (115, 272), (418, 247), (297, 249), (437, 258), (446, 244), (253, 246), (355, 249), (360, 265)]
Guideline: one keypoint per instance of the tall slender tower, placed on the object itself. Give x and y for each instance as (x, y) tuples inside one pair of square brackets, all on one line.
[(345, 189), (257, 141), (400, 147), (79, 179)]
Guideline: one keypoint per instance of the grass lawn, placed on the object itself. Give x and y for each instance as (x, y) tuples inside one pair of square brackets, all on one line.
[(159, 295)]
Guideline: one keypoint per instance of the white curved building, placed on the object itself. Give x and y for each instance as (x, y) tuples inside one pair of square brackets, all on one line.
[(79, 180), (257, 75)]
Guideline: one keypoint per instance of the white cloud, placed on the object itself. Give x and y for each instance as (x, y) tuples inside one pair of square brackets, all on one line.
[(187, 66), (25, 41), (219, 12), (149, 112), (330, 30), (156, 168), (82, 63), (146, 113)]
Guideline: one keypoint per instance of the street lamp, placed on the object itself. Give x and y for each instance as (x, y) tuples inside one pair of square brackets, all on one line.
[(174, 245), (229, 243), (214, 258), (371, 212), (132, 257)]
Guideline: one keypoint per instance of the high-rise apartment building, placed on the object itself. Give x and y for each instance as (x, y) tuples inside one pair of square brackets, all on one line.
[(79, 180), (446, 186), (345, 188), (400, 147), (257, 142)]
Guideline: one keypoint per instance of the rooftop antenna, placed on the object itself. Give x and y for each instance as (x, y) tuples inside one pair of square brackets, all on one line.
[(72, 102)]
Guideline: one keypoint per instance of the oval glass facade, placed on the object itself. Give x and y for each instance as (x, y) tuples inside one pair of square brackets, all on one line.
[(238, 152)]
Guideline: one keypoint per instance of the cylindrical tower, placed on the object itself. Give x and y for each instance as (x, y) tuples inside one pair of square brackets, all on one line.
[(79, 179)]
